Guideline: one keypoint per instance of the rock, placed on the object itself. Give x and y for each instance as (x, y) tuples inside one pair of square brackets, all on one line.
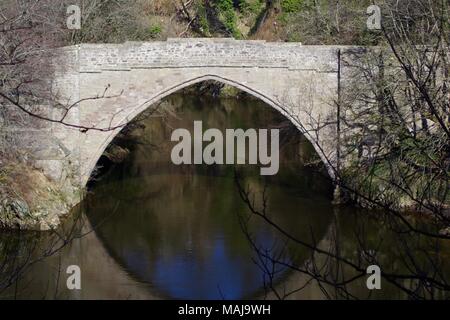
[(15, 207), (45, 200), (117, 154), (445, 232), (53, 168)]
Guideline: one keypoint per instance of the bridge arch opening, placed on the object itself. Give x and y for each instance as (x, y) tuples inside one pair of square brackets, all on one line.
[(268, 100), (165, 211)]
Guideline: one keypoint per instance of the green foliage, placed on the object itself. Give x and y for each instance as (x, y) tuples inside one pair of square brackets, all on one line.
[(290, 6), (323, 22), (227, 14), (251, 6), (203, 19), (154, 30)]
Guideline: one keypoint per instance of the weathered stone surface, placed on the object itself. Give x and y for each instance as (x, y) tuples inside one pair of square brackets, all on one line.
[(14, 207)]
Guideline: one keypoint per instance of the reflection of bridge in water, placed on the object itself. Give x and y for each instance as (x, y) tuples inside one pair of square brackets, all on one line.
[(106, 275), (161, 285)]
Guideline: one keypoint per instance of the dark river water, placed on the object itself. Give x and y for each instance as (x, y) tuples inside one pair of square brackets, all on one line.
[(149, 229)]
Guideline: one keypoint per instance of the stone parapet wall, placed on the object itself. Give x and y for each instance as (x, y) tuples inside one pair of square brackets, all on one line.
[(185, 53)]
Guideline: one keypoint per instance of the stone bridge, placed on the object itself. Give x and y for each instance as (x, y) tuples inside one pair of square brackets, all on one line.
[(302, 82)]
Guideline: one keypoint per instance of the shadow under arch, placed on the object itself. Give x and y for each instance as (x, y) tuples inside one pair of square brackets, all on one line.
[(210, 77)]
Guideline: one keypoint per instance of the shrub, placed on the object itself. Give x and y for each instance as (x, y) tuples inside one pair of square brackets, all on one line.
[(252, 7), (226, 11), (203, 19), (154, 30), (290, 6)]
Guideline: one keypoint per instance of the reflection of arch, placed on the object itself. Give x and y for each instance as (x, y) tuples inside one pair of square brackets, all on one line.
[(105, 206), (164, 93)]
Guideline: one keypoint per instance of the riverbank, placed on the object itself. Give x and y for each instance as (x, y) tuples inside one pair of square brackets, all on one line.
[(31, 201)]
